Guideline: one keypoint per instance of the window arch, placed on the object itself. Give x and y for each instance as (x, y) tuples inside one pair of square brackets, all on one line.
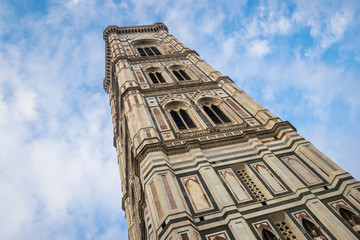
[(147, 47), (181, 75), (182, 116), (212, 108), (350, 218), (312, 229), (182, 119), (181, 72), (216, 115), (268, 235), (156, 77), (155, 73)]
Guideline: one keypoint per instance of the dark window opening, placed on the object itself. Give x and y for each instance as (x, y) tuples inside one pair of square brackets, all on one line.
[(156, 78), (223, 117), (156, 51), (350, 218), (178, 121), (160, 77), (213, 117), (201, 218), (178, 76), (187, 119), (267, 235), (182, 119), (216, 115), (183, 73), (312, 229), (141, 51), (148, 51), (153, 78)]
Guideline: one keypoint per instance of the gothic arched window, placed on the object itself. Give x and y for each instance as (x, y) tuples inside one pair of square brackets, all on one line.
[(313, 230), (267, 235), (148, 51), (181, 75), (215, 114), (350, 218), (182, 119), (156, 77)]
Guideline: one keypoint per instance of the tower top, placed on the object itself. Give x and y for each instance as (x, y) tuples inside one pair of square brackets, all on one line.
[(124, 30), (134, 29)]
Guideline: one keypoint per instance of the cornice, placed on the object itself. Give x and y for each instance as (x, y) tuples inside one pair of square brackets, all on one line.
[(191, 143), (191, 87), (149, 59), (133, 29)]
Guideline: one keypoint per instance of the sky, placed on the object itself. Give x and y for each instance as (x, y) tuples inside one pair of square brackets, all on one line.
[(59, 176)]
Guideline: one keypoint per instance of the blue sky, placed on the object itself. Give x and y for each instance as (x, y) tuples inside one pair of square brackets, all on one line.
[(58, 171)]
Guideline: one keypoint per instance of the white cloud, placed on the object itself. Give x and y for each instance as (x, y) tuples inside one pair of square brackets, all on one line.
[(258, 48), (328, 20), (284, 25)]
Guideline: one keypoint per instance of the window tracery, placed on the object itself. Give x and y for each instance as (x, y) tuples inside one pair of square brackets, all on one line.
[(216, 115), (181, 72), (156, 77), (313, 230), (182, 119), (147, 47), (182, 116), (156, 74), (268, 235), (181, 75), (214, 109), (350, 218)]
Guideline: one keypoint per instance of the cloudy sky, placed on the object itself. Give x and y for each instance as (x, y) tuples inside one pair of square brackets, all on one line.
[(58, 170)]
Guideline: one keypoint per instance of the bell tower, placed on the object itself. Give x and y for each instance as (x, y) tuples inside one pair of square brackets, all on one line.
[(200, 159)]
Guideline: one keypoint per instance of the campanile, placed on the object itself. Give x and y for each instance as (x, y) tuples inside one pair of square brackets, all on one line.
[(200, 159)]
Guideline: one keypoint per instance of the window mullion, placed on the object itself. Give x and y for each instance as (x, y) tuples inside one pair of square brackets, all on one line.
[(182, 75), (178, 76), (216, 114), (157, 77), (182, 119)]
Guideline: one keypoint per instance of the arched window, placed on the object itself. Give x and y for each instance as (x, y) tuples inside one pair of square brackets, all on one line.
[(312, 229), (156, 77), (182, 119), (267, 235), (156, 51), (350, 218), (181, 75), (148, 51), (215, 114)]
